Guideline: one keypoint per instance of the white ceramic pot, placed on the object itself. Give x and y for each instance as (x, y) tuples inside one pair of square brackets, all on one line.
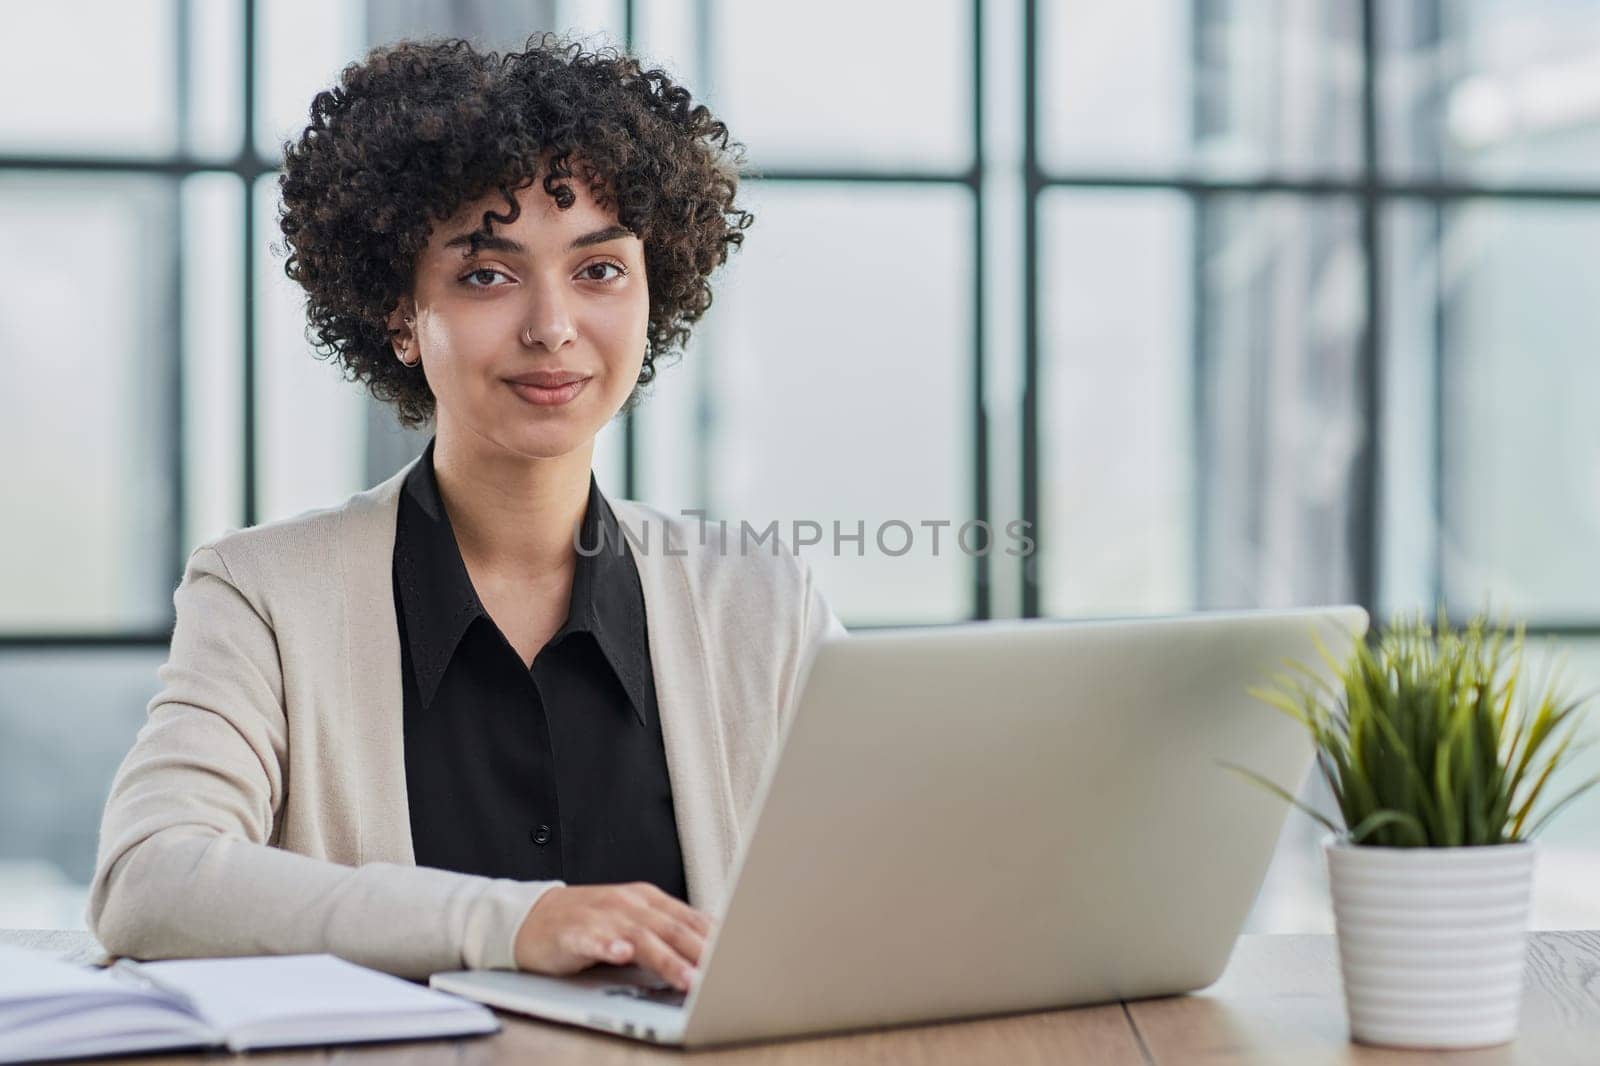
[(1431, 941)]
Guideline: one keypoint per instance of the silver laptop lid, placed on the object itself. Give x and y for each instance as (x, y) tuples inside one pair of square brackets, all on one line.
[(1009, 815)]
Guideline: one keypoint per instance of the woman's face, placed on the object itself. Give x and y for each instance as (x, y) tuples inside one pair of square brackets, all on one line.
[(555, 296)]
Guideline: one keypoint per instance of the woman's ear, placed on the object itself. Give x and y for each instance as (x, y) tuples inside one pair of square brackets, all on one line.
[(402, 332)]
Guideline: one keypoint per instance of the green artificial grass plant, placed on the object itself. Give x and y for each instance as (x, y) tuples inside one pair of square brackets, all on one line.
[(1433, 738)]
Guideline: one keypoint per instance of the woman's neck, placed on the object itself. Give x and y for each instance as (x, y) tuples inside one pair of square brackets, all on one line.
[(511, 515)]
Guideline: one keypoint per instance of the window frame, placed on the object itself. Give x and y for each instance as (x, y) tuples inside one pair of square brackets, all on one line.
[(1370, 188)]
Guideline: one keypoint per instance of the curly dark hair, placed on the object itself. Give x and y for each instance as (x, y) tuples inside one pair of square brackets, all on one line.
[(419, 128)]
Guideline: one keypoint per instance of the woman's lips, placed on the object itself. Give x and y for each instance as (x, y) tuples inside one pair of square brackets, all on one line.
[(548, 397)]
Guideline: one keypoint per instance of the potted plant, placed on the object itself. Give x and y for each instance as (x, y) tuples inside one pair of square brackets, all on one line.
[(1437, 748)]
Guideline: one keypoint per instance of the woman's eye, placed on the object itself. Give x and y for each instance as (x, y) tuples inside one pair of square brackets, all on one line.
[(481, 278), (589, 275)]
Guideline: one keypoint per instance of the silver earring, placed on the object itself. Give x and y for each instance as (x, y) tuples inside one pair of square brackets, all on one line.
[(406, 347)]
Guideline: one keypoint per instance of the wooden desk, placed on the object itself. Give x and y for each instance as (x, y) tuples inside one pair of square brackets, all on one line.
[(1278, 1002)]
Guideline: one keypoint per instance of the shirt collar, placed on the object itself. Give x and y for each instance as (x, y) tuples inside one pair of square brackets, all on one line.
[(439, 602)]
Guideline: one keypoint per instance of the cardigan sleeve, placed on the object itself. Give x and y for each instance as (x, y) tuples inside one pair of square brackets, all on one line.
[(186, 864), (817, 624)]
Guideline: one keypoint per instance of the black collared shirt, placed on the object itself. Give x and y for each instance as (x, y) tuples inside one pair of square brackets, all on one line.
[(557, 772)]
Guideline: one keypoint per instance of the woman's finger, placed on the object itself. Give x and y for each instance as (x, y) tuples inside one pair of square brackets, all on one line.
[(697, 919), (653, 952), (587, 945), (681, 937)]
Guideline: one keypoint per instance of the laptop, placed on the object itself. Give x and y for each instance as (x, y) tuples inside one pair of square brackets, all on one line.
[(985, 818)]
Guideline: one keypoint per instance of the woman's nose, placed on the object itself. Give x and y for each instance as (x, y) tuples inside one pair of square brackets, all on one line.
[(549, 323)]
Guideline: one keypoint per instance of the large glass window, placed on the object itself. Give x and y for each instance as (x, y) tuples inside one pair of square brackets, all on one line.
[(88, 343), (1237, 302), (1117, 428), (895, 89), (1491, 91), (1242, 88), (97, 78)]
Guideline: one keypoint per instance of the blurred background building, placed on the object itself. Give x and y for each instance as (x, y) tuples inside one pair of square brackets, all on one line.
[(1238, 302)]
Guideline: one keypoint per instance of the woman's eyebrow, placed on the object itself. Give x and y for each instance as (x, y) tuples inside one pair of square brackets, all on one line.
[(600, 236), (496, 243)]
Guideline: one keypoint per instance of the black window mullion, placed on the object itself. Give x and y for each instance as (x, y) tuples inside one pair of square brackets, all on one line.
[(247, 339), (1365, 517), (1201, 206), (178, 440), (981, 571), (1032, 187), (630, 425)]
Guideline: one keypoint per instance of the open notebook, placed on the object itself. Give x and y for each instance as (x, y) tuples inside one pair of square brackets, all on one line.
[(54, 1010)]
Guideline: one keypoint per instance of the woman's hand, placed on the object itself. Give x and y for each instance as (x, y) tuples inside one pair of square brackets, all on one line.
[(572, 927)]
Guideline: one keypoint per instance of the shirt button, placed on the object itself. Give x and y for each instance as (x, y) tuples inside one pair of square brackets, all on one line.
[(541, 835)]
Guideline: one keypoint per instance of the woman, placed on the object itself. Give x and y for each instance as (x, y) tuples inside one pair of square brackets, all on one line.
[(478, 715)]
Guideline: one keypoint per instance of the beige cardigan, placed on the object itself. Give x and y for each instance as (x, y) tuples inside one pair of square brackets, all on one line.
[(262, 808)]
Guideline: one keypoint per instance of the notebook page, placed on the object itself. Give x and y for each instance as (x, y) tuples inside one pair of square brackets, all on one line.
[(282, 1000), (27, 974), (54, 1009), (103, 1028)]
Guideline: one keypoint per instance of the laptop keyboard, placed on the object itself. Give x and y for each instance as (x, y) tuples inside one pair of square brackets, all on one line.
[(657, 993)]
